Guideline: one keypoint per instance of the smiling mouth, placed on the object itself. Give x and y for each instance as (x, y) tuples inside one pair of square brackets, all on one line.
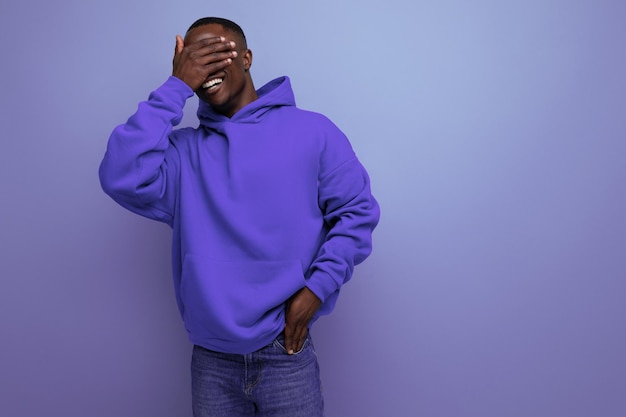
[(212, 83)]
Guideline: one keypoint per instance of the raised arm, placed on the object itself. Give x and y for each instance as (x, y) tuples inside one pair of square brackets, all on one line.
[(140, 167)]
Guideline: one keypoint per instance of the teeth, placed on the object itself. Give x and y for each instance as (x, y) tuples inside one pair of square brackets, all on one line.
[(211, 83)]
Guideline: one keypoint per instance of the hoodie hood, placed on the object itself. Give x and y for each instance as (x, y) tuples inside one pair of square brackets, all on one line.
[(276, 93)]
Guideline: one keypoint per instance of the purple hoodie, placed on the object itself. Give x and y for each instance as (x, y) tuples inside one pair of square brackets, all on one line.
[(261, 205)]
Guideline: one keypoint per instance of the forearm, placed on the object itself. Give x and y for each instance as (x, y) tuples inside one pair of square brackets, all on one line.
[(134, 168), (351, 213)]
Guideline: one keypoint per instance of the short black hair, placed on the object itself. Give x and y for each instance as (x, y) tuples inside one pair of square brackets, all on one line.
[(225, 23)]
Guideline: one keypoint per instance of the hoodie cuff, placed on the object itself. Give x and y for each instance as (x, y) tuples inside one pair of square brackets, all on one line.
[(322, 285), (178, 87)]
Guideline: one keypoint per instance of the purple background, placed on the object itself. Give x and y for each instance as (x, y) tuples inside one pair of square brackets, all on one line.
[(494, 133)]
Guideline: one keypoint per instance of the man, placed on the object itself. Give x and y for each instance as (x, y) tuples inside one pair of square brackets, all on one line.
[(270, 211)]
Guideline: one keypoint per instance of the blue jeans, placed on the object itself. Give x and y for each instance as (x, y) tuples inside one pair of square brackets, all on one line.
[(268, 382)]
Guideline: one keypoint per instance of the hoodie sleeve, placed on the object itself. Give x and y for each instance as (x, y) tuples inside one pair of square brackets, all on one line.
[(140, 166), (350, 212)]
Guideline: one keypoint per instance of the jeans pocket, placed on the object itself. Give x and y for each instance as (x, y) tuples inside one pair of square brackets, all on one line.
[(279, 343)]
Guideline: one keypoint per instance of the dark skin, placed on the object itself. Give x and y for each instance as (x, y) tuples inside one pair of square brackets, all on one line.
[(209, 52), (301, 308)]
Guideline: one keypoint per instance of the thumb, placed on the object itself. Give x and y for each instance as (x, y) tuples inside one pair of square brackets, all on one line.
[(289, 331), (179, 45)]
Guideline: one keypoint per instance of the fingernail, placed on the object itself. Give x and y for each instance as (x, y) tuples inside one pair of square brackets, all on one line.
[(234, 53), (290, 352)]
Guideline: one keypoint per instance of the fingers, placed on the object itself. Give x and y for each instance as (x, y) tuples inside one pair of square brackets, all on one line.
[(215, 58), (300, 310), (294, 337), (207, 54), (194, 62), (210, 46)]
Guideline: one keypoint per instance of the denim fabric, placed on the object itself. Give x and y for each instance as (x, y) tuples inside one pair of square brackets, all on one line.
[(268, 382)]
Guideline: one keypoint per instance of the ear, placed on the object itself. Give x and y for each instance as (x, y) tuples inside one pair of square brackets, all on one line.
[(247, 59)]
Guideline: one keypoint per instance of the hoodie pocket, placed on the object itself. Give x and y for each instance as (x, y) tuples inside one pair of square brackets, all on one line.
[(236, 300)]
